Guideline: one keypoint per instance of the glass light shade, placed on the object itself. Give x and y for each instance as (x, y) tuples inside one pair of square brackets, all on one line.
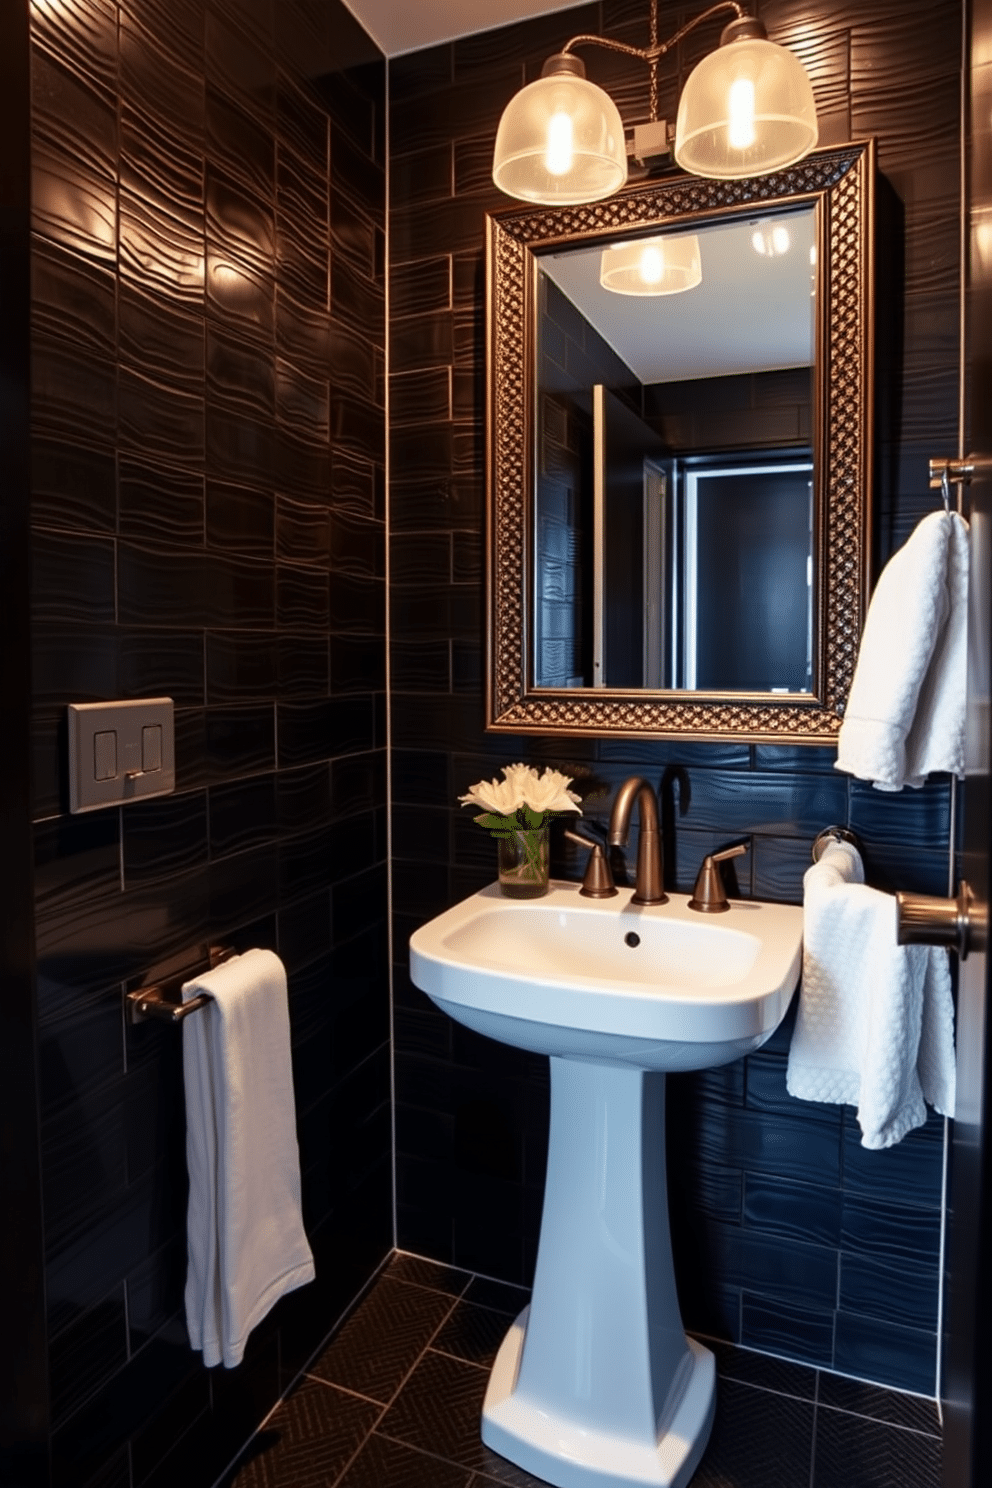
[(747, 109), (560, 141), (652, 266)]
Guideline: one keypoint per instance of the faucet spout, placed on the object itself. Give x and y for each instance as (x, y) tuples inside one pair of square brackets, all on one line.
[(649, 882)]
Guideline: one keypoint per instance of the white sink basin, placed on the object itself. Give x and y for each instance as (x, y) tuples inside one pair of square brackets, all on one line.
[(558, 975), (596, 1384)]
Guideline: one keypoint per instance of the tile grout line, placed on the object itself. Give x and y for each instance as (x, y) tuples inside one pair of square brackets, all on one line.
[(730, 1379), (876, 1421), (815, 1400), (812, 1440), (302, 1373), (431, 1456), (399, 1388), (387, 574), (873, 1384)]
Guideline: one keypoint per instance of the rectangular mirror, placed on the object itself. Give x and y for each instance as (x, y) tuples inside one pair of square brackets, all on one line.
[(679, 440)]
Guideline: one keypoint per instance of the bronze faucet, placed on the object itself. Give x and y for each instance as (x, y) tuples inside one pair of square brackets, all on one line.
[(649, 884)]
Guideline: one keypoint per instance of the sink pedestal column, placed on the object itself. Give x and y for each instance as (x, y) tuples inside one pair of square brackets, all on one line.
[(596, 1384)]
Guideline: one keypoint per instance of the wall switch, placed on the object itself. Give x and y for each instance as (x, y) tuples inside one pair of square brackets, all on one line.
[(120, 752)]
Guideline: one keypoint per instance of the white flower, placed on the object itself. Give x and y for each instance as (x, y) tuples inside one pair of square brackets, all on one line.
[(521, 775), (550, 793), (523, 787), (499, 796)]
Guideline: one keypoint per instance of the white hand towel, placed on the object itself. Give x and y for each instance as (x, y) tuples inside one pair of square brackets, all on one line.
[(875, 1022), (905, 715), (245, 1232)]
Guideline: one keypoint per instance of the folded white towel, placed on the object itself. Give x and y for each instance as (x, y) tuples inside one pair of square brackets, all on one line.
[(905, 715), (875, 1026), (245, 1232)]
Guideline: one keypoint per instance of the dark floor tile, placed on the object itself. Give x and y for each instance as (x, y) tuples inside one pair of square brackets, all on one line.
[(383, 1339), (440, 1410), (746, 1367), (758, 1438), (917, 1412), (307, 1442), (855, 1453), (388, 1464), (514, 1476), (473, 1333), (447, 1279)]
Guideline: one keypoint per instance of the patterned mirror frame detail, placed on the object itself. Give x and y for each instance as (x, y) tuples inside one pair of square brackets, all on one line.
[(840, 179)]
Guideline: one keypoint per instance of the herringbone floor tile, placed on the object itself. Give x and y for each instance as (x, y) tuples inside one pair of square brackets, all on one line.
[(383, 1338), (395, 1401), (307, 1442)]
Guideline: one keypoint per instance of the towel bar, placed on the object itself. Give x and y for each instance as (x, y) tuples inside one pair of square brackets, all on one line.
[(960, 923), (161, 1000)]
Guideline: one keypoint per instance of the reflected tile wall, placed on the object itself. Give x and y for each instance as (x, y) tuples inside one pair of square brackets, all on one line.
[(790, 1237), (208, 342)]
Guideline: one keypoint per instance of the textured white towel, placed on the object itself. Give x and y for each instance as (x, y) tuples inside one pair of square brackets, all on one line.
[(244, 1229), (875, 1026), (905, 715)]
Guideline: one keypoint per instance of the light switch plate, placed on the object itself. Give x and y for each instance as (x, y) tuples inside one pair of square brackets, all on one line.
[(120, 752)]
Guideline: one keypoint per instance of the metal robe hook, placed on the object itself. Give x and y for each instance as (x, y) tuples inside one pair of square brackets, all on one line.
[(945, 489)]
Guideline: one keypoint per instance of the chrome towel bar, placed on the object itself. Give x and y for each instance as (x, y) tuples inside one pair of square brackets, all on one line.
[(161, 1000)]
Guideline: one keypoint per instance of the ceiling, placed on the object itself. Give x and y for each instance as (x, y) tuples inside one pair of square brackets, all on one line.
[(406, 25)]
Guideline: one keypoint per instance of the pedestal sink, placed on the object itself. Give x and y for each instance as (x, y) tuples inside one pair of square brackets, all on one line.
[(596, 1384)]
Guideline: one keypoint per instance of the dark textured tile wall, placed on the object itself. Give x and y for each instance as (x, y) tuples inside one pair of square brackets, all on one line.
[(208, 523), (791, 1238)]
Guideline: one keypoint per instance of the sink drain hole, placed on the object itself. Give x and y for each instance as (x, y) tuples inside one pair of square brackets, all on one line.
[(632, 938)]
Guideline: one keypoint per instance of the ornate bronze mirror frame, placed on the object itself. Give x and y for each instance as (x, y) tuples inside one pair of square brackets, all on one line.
[(840, 182)]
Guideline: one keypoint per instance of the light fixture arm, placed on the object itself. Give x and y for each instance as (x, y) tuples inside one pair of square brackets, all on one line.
[(652, 54)]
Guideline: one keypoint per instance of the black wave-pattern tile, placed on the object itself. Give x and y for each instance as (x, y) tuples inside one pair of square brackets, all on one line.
[(198, 519), (758, 1175)]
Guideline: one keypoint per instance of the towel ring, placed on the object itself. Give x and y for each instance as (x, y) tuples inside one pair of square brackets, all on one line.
[(830, 835)]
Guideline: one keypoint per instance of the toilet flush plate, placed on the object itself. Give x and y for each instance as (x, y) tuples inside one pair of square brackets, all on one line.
[(121, 751)]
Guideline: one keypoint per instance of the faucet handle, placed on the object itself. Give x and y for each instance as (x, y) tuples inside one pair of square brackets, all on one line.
[(709, 894), (598, 881)]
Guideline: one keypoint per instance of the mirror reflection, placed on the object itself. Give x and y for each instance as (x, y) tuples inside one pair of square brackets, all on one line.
[(675, 512)]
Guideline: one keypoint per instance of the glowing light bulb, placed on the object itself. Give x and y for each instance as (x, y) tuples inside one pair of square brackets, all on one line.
[(780, 239), (560, 151), (652, 266), (741, 113)]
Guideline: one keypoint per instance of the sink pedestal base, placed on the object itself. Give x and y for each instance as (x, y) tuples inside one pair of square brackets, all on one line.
[(596, 1384)]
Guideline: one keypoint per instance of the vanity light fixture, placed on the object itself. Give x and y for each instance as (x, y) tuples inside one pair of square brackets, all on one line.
[(652, 266), (746, 110)]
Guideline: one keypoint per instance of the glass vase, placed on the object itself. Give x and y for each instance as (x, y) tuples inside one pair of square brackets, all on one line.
[(524, 859)]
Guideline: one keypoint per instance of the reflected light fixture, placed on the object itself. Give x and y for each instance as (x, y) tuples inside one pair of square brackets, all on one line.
[(652, 266), (747, 109), (770, 239)]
